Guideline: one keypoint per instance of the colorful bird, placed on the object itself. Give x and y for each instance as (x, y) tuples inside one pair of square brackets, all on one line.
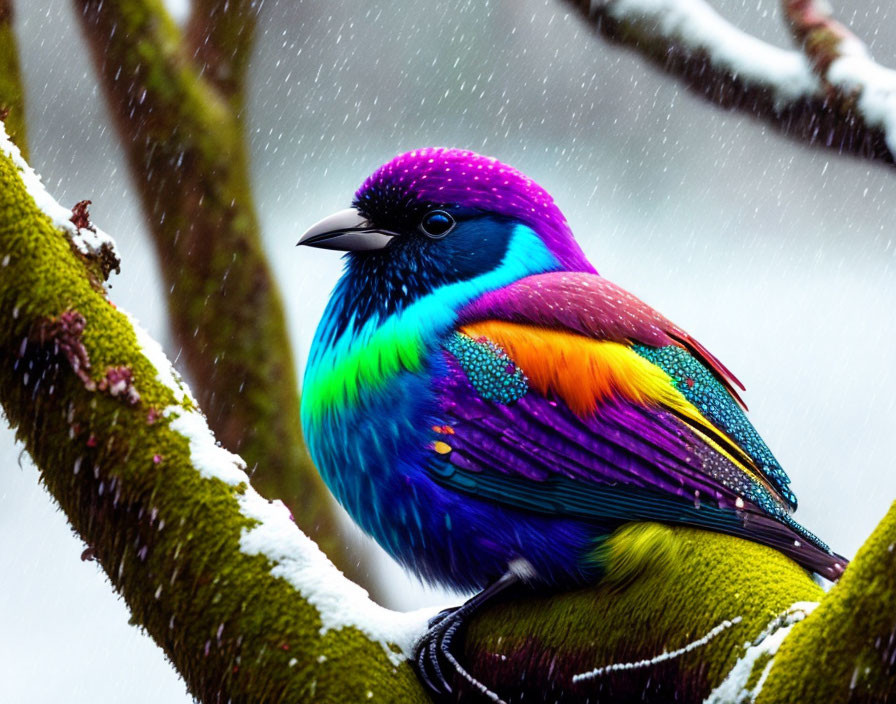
[(489, 408)]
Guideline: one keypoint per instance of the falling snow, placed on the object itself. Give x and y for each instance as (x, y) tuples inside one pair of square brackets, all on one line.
[(778, 257)]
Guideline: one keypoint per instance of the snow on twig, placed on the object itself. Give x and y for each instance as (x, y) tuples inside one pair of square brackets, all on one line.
[(695, 24), (845, 64)]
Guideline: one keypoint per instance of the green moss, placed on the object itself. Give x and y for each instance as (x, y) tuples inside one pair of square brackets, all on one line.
[(756, 673)]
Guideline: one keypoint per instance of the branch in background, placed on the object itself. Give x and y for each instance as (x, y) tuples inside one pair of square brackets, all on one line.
[(248, 609), (219, 36), (189, 160), (12, 93), (845, 65), (733, 70)]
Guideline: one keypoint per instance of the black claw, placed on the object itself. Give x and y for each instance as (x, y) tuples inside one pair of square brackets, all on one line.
[(434, 649), (422, 672)]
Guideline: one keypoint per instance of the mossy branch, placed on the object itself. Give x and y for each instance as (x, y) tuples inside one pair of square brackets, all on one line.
[(717, 604), (246, 607), (12, 92), (187, 152), (846, 650), (181, 546)]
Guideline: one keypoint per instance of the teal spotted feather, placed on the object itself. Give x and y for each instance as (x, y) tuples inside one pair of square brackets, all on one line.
[(701, 388), (493, 374)]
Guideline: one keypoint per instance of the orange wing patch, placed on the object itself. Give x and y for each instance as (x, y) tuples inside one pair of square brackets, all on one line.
[(581, 370), (585, 372)]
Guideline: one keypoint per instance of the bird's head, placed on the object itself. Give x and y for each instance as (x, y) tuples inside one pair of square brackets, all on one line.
[(433, 217)]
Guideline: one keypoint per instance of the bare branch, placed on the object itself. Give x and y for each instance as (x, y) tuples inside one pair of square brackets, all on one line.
[(690, 41)]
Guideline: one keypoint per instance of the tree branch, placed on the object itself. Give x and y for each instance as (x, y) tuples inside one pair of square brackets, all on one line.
[(687, 39), (12, 93), (856, 626), (188, 156), (245, 606), (248, 609)]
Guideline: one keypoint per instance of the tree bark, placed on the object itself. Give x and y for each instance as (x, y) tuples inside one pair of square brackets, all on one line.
[(248, 609)]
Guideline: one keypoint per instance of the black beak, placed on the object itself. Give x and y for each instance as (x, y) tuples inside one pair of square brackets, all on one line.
[(347, 231)]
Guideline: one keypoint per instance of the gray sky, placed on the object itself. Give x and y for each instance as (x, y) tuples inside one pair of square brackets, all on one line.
[(777, 257)]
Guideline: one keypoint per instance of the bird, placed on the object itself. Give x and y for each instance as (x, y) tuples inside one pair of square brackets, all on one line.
[(489, 408)]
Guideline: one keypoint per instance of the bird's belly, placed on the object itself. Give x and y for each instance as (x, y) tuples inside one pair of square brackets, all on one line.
[(374, 454)]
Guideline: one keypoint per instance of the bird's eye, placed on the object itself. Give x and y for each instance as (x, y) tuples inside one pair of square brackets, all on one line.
[(436, 224)]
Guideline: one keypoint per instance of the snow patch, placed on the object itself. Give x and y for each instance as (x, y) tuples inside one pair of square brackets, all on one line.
[(210, 459), (87, 241), (698, 26), (340, 602), (734, 687), (165, 371)]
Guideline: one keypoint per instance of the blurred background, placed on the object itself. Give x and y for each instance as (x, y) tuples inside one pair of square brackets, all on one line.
[(776, 256)]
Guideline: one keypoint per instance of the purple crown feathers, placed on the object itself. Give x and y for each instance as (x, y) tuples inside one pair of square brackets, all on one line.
[(453, 176)]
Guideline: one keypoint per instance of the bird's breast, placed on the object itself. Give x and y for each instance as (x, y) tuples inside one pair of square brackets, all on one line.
[(367, 411)]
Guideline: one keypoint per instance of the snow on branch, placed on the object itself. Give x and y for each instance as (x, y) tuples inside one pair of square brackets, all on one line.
[(822, 38), (852, 110), (845, 64)]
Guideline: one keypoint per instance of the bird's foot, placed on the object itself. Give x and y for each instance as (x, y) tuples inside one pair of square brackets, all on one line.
[(436, 659), (436, 655)]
